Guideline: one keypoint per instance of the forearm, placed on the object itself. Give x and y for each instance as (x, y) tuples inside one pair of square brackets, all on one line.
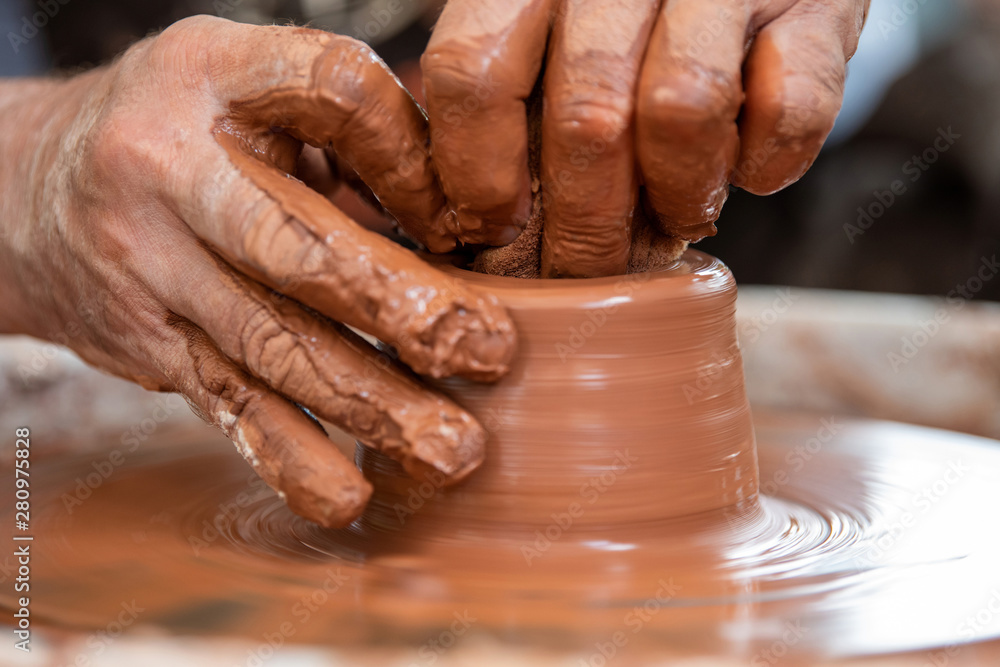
[(40, 116)]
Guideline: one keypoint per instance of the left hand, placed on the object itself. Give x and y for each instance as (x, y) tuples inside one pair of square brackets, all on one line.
[(159, 196), (681, 96)]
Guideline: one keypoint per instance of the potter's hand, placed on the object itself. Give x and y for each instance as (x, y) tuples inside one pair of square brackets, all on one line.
[(157, 214), (682, 96)]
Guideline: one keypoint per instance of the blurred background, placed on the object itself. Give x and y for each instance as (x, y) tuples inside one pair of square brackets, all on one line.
[(905, 197)]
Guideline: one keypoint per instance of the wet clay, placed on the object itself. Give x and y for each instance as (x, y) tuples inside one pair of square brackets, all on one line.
[(821, 569), (533, 126), (620, 497), (300, 245), (635, 377), (641, 95), (438, 326)]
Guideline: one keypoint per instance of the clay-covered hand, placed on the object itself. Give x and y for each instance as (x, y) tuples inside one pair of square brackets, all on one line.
[(161, 218), (681, 96)]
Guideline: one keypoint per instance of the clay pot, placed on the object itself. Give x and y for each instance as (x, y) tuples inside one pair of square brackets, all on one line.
[(625, 404)]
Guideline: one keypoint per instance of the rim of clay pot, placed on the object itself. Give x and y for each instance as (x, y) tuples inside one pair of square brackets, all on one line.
[(692, 267)]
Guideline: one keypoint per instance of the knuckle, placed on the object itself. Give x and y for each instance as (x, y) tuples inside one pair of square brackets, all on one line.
[(591, 116), (838, 23), (691, 95), (229, 393), (269, 349), (493, 195), (116, 152), (455, 72), (231, 400), (359, 73), (184, 43), (356, 49), (808, 105), (267, 227), (192, 25)]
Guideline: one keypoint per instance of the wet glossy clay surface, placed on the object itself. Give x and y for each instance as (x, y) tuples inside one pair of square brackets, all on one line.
[(618, 502), (187, 532)]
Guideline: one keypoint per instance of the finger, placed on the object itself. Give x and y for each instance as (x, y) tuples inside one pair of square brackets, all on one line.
[(794, 79), (329, 370), (287, 449), (279, 232), (689, 97), (479, 67), (589, 182), (326, 89)]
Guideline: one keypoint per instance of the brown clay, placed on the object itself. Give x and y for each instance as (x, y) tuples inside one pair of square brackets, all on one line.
[(301, 246), (643, 368), (619, 498)]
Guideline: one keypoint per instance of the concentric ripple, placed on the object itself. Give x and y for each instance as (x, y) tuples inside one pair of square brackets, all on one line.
[(879, 525)]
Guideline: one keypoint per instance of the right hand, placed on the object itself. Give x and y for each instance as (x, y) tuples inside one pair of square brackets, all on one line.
[(682, 97), (158, 197)]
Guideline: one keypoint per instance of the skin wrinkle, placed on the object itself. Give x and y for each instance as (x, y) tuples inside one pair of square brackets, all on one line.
[(790, 114), (587, 136), (374, 283), (690, 139), (479, 68), (249, 417), (153, 147), (650, 249), (371, 417), (131, 199), (343, 103), (218, 386)]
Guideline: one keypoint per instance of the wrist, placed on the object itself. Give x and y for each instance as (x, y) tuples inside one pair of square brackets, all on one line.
[(45, 118)]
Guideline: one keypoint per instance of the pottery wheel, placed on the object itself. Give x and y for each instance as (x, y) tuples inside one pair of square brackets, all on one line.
[(874, 537)]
